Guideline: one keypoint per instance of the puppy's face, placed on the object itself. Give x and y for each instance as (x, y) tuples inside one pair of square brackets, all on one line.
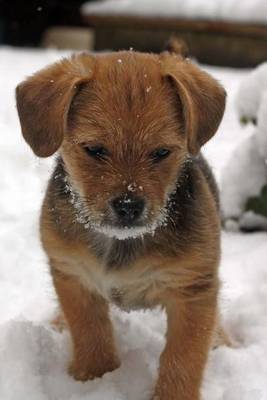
[(125, 123), (125, 146)]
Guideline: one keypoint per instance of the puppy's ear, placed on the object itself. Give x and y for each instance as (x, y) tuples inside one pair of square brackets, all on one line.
[(202, 99), (43, 102)]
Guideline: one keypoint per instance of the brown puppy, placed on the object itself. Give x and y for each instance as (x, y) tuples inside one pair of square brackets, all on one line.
[(131, 211)]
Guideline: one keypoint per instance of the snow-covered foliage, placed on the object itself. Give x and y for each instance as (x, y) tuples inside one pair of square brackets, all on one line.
[(225, 10), (246, 173), (33, 357), (250, 93)]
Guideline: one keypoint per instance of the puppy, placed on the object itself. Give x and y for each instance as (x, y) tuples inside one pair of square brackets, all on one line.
[(130, 214)]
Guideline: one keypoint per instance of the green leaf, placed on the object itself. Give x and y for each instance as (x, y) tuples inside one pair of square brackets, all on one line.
[(245, 120), (258, 204)]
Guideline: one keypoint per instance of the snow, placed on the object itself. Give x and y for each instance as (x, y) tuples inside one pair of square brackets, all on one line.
[(225, 10), (33, 356), (246, 172), (250, 92)]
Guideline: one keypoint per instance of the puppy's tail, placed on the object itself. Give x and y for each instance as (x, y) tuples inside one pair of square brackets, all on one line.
[(177, 46)]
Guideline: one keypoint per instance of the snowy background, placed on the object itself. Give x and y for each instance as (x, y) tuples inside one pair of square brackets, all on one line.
[(224, 10), (33, 356)]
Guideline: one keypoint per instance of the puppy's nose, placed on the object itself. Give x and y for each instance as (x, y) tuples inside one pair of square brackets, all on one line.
[(128, 209)]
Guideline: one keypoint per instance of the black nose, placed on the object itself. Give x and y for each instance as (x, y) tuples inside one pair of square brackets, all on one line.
[(128, 209)]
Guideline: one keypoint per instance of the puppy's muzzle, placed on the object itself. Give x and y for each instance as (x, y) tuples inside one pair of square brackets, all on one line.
[(128, 209)]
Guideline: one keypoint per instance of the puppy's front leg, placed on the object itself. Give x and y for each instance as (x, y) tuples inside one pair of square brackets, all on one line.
[(189, 334), (90, 326)]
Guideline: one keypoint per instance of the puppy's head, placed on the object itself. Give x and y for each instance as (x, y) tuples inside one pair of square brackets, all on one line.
[(124, 124)]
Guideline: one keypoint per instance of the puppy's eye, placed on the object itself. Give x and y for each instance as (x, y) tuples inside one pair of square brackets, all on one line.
[(96, 151), (160, 154)]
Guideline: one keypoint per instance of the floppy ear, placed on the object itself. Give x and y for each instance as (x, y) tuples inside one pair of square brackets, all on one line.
[(201, 96), (43, 102)]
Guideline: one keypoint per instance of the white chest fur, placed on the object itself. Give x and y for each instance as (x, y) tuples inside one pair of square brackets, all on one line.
[(129, 288)]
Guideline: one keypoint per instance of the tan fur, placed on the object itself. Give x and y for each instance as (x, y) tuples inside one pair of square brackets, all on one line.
[(131, 104)]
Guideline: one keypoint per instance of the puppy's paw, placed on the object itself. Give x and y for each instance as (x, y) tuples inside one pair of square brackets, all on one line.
[(172, 396), (167, 396), (81, 372), (173, 390)]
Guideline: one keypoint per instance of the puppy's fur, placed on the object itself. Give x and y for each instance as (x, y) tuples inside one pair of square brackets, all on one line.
[(130, 104)]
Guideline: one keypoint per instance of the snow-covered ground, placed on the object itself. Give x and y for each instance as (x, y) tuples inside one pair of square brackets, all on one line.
[(33, 356), (224, 10)]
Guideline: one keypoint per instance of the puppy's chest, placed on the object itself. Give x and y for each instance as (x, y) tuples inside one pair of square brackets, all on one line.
[(137, 286), (117, 254), (123, 275), (126, 276)]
